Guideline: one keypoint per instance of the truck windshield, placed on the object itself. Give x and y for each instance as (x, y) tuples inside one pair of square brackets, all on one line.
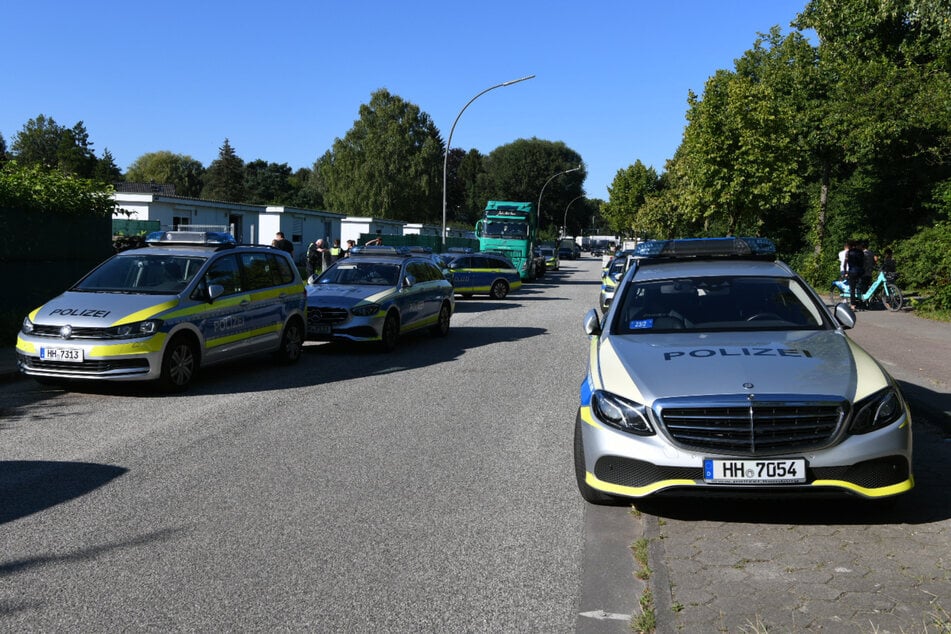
[(505, 229)]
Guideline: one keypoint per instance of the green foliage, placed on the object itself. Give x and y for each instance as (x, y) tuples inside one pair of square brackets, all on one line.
[(388, 165), (224, 179), (45, 143), (167, 168), (33, 189), (629, 191), (520, 170), (268, 183)]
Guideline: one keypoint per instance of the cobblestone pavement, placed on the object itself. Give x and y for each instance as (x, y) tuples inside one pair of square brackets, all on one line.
[(819, 565)]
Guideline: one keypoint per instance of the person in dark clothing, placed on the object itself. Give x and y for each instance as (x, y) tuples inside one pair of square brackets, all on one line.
[(318, 257), (888, 262), (854, 269), (282, 243)]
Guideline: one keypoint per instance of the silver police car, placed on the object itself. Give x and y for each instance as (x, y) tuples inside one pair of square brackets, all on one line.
[(188, 300), (717, 369), (376, 294)]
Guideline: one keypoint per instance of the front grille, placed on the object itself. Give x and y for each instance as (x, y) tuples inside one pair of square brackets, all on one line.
[(325, 315), (637, 473), (871, 474), (752, 426), (77, 332), (86, 367)]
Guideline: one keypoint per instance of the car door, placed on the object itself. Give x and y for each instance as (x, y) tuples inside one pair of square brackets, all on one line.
[(223, 324), (265, 311)]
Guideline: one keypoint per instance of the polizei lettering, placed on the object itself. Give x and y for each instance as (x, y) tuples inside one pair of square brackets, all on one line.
[(704, 353), (78, 312)]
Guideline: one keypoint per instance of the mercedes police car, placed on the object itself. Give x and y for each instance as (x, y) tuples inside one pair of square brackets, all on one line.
[(482, 273), (717, 369), (185, 301), (377, 294)]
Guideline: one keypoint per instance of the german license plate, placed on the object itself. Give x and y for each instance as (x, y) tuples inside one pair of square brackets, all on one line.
[(774, 471), (69, 355), (320, 329)]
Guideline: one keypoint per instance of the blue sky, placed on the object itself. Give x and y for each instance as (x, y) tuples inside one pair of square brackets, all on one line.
[(282, 79)]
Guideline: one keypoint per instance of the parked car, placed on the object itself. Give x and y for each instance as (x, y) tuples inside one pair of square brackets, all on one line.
[(478, 273), (376, 295), (718, 371), (186, 301)]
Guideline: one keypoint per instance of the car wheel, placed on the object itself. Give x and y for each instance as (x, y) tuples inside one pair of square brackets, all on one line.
[(179, 365), (499, 289), (589, 493), (441, 329), (391, 332), (292, 343), (894, 299)]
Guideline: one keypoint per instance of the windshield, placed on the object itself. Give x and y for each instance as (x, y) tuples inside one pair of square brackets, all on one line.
[(505, 229), (146, 273), (361, 273), (706, 304)]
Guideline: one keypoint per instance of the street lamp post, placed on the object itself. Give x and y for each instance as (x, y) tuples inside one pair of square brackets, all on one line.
[(550, 179), (445, 162), (564, 225)]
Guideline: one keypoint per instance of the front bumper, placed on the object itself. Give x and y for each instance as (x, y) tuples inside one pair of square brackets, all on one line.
[(873, 465), (125, 360)]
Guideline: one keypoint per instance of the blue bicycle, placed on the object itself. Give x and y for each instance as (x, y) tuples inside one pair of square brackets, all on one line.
[(883, 290)]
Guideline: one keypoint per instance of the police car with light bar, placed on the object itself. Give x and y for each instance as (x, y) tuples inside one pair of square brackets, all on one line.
[(186, 301), (377, 294), (718, 370)]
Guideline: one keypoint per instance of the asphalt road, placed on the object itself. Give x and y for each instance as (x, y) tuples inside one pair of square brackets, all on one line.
[(426, 490)]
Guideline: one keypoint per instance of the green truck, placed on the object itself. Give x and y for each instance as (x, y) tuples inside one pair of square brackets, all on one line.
[(511, 228)]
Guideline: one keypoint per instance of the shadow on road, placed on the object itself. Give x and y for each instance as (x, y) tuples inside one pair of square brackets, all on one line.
[(29, 486)]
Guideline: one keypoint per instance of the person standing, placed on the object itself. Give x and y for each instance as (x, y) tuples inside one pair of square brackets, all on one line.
[(335, 251), (854, 269), (318, 257), (868, 266), (845, 249), (282, 243)]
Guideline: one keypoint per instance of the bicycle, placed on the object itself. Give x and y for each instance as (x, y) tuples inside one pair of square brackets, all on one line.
[(882, 290)]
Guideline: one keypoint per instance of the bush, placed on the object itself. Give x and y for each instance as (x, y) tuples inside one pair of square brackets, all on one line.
[(924, 261)]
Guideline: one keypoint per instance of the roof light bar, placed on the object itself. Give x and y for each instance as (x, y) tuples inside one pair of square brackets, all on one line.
[(378, 250), (195, 238), (706, 247)]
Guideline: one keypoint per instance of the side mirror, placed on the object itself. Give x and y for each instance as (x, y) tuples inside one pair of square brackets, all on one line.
[(844, 315), (592, 325), (215, 291), (409, 281)]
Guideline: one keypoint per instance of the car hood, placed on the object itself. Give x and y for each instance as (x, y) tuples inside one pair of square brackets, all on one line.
[(343, 294), (648, 367), (101, 310)]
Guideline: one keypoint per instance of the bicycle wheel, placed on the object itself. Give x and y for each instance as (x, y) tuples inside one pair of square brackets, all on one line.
[(892, 298)]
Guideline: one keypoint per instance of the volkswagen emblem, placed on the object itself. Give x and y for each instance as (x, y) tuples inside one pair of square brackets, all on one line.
[(66, 331)]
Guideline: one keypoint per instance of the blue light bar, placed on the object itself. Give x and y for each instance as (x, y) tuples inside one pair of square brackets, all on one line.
[(193, 238), (378, 250), (706, 247)]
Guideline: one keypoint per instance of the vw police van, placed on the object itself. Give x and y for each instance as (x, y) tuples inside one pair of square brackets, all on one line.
[(159, 313)]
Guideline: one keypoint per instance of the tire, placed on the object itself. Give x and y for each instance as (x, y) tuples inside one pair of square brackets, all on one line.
[(441, 329), (179, 365), (590, 494), (894, 300), (390, 334), (499, 290), (292, 343)]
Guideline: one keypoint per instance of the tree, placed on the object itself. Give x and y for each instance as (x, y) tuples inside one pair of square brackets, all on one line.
[(268, 183), (3, 150), (519, 170), (38, 142), (224, 179), (166, 168), (389, 164), (628, 192), (106, 169)]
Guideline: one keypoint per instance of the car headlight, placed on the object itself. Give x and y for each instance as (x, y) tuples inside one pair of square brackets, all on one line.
[(621, 413), (876, 411), (365, 310), (27, 326), (136, 329)]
